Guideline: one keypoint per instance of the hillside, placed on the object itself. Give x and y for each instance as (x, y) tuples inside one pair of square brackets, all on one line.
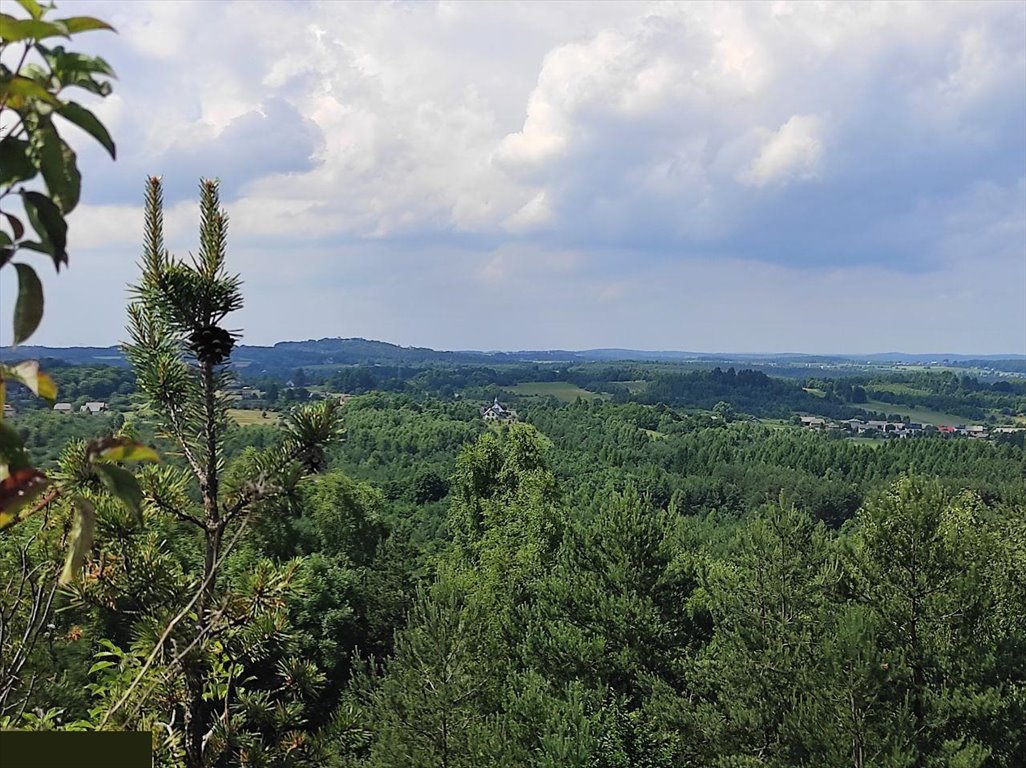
[(286, 356)]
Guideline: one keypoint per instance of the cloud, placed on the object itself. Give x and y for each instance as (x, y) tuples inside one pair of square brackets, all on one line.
[(534, 215), (651, 140), (793, 152)]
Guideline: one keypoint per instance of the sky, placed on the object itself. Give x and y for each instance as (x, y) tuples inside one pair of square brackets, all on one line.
[(751, 177)]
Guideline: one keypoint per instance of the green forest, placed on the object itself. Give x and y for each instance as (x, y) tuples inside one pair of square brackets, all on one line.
[(600, 584), (668, 571), (641, 579)]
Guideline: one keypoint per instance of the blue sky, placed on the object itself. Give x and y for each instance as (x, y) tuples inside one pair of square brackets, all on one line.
[(816, 177)]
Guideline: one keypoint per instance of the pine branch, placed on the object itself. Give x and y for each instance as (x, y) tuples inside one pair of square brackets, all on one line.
[(167, 633), (175, 512)]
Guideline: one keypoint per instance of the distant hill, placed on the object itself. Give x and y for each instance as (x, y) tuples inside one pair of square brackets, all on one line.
[(289, 355), (313, 352), (76, 355)]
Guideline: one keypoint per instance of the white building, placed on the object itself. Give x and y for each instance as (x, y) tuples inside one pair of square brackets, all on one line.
[(498, 412)]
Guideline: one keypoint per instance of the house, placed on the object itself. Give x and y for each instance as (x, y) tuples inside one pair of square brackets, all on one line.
[(498, 412), (946, 430), (976, 430), (8, 410), (63, 408), (93, 408), (813, 422)]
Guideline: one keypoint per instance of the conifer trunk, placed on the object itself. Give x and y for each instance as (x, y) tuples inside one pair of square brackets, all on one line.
[(212, 515), (197, 714)]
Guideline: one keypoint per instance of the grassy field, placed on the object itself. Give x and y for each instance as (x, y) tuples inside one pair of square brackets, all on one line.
[(918, 414), (776, 423), (244, 417), (898, 389), (563, 390)]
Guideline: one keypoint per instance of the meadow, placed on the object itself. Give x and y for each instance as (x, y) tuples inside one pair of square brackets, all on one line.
[(244, 417), (561, 390), (922, 415)]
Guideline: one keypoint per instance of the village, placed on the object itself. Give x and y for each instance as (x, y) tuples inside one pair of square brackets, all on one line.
[(898, 429)]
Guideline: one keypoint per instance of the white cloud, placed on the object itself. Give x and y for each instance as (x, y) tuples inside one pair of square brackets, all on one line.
[(794, 152), (640, 136), (534, 215), (436, 117)]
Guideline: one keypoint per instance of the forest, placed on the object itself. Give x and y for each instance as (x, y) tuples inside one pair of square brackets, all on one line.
[(601, 584), (629, 580), (650, 565)]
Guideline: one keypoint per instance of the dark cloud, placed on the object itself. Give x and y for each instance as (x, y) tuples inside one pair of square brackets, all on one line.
[(273, 137)]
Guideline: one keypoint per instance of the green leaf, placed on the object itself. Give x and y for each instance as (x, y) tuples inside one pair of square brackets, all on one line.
[(16, 91), (123, 486), (48, 222), (28, 309), (81, 540), (130, 452), (28, 373), (126, 449), (70, 66), (59, 165), (12, 30), (76, 24), (18, 229), (89, 123), (34, 9), (101, 665), (15, 163), (32, 245)]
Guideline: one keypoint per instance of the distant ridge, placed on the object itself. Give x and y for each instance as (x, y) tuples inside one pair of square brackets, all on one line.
[(352, 351)]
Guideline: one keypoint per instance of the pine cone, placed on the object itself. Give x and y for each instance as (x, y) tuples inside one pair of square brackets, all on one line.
[(211, 344)]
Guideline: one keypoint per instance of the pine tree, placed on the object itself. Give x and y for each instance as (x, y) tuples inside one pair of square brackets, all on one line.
[(760, 669), (223, 658), (923, 563), (431, 708)]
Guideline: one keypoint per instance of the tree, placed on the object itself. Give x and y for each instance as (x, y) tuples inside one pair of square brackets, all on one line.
[(759, 670), (38, 168), (922, 563), (429, 709), (32, 96), (610, 607), (725, 411), (180, 352), (428, 486), (31, 146)]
